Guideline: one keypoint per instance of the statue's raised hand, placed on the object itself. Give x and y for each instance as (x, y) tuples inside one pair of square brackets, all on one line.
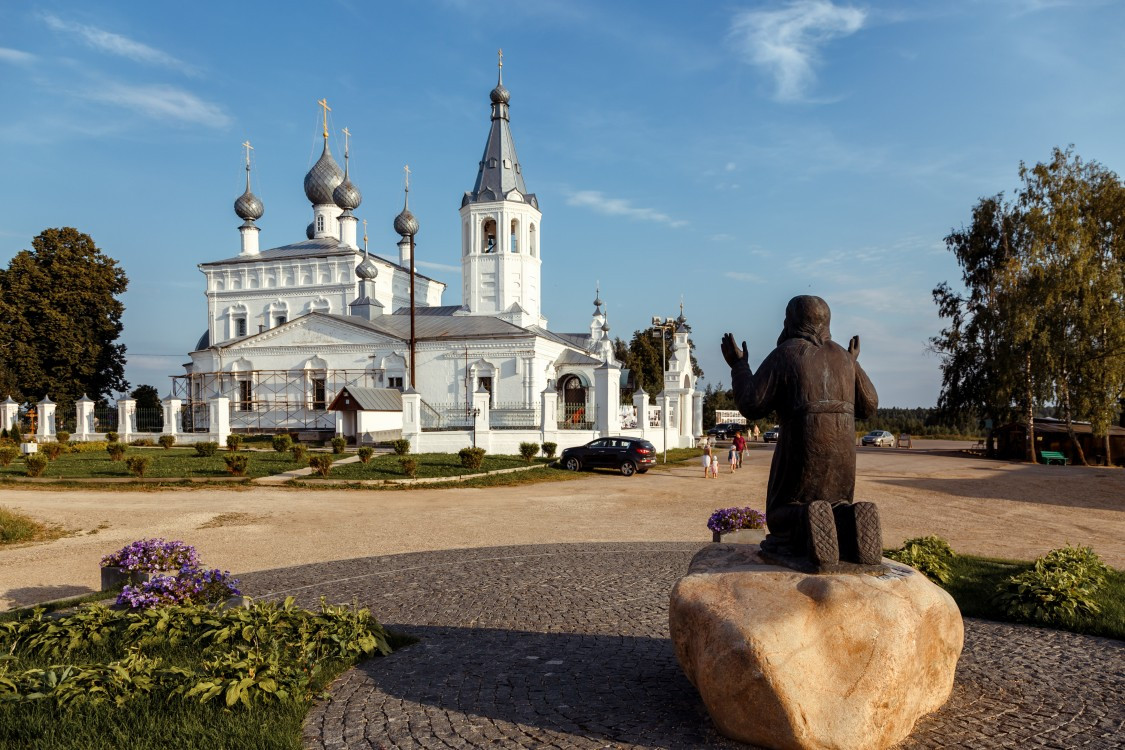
[(731, 351), (853, 347)]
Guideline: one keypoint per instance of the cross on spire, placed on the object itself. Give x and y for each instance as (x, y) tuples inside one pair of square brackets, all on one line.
[(324, 105), (406, 172), (365, 237), (347, 134), (499, 66), (248, 148)]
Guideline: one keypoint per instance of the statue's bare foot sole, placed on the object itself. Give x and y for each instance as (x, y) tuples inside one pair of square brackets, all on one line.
[(868, 534), (824, 547)]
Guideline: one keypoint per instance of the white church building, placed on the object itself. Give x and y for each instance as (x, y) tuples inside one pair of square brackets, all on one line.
[(290, 328)]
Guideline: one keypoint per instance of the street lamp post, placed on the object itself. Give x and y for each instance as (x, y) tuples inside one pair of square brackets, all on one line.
[(659, 327)]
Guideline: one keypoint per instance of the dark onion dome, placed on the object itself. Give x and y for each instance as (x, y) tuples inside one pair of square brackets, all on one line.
[(605, 327), (367, 269), (500, 95), (323, 178), (249, 207), (309, 231), (405, 223), (347, 195)]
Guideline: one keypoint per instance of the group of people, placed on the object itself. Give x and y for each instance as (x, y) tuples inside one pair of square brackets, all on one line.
[(734, 455)]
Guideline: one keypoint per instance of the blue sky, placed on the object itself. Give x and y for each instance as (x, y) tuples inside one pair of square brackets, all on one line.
[(733, 154)]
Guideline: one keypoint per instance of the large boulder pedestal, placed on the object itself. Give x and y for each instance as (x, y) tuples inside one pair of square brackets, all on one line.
[(784, 659)]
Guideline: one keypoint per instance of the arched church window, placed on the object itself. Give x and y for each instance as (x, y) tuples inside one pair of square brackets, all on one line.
[(531, 246), (514, 239)]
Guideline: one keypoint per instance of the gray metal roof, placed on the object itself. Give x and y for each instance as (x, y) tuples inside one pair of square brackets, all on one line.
[(437, 310), (370, 399), (436, 328), (571, 357), (499, 172)]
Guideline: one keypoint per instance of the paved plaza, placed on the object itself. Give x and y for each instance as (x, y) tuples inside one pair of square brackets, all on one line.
[(566, 646)]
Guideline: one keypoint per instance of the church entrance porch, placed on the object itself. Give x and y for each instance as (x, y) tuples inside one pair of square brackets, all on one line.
[(574, 410)]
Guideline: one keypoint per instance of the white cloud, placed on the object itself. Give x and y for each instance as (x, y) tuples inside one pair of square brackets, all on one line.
[(116, 44), (602, 204), (160, 101), (743, 276), (439, 266), (786, 41), (16, 56)]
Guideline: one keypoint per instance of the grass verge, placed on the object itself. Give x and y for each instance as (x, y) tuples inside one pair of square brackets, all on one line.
[(15, 527)]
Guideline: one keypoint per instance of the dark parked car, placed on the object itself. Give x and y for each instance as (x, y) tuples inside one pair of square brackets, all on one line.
[(771, 435), (726, 430), (627, 455)]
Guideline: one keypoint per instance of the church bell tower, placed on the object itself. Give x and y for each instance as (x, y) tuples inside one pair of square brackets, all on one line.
[(500, 236)]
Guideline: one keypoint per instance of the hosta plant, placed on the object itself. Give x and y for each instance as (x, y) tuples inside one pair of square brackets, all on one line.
[(929, 555)]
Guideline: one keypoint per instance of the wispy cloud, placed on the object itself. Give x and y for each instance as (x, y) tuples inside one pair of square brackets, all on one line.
[(439, 266), (752, 278), (16, 56), (116, 44), (787, 41), (160, 101), (603, 204)]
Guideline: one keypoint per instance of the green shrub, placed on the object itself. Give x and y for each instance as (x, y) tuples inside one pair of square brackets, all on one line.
[(409, 467), (36, 464), (143, 443), (322, 464), (94, 446), (549, 449), (15, 434), (237, 463), (299, 452), (205, 450), (115, 450), (365, 453), (338, 444), (62, 436), (1048, 596), (282, 443), (401, 447), (529, 450), (929, 555), (8, 454), (3, 433), (167, 441), (138, 465), (111, 437), (52, 450), (1082, 561), (234, 442), (471, 458)]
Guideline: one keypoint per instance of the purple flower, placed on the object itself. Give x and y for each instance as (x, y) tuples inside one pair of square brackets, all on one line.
[(191, 586), (729, 519), (153, 554)]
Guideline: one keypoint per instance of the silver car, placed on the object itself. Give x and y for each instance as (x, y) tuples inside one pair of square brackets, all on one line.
[(878, 438)]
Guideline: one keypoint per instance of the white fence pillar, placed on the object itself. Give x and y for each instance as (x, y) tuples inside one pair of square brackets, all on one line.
[(607, 395), (173, 415), (482, 401), (220, 419), (549, 414), (665, 418), (46, 427), (697, 414), (84, 418), (9, 413), (640, 403), (412, 418), (126, 416)]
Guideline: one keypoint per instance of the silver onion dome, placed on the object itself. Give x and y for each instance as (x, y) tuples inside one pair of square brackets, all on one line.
[(605, 327), (367, 269), (323, 178), (347, 195), (249, 207), (405, 223), (310, 231), (500, 95)]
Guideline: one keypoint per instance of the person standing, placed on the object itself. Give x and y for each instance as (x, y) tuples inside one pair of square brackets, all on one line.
[(706, 458), (739, 446)]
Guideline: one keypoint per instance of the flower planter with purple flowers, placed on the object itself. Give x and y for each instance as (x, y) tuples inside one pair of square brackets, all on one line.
[(145, 559), (737, 526), (114, 577)]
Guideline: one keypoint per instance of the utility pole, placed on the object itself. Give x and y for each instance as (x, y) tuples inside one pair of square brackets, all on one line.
[(659, 328)]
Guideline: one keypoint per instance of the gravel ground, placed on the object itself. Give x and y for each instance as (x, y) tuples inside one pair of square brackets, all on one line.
[(982, 507)]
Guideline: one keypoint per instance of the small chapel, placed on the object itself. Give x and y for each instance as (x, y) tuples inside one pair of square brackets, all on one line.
[(291, 328)]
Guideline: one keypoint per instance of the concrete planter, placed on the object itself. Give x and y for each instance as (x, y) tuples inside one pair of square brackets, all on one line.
[(114, 577), (739, 536), (28, 448)]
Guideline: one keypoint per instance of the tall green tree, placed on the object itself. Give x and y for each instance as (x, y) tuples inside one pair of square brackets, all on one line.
[(146, 396), (643, 357), (60, 318)]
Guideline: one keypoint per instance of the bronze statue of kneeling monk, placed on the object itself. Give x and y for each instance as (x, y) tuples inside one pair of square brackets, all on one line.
[(817, 389)]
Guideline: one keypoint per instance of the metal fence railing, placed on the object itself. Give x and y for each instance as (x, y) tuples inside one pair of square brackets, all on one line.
[(150, 419), (447, 417), (513, 417), (577, 417)]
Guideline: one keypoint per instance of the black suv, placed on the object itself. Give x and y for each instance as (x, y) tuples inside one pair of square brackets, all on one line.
[(627, 455), (726, 430)]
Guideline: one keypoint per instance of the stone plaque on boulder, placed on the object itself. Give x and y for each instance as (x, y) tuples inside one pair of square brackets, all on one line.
[(786, 659)]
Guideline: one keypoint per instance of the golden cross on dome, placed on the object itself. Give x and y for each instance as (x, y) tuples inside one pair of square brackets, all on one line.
[(324, 104), (500, 58)]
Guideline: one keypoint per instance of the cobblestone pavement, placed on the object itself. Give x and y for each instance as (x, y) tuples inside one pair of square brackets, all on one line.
[(566, 646)]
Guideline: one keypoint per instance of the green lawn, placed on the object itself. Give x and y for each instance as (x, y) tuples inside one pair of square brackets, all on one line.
[(388, 466), (175, 462)]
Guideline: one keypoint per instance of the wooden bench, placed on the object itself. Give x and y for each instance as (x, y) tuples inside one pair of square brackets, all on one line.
[(1050, 457)]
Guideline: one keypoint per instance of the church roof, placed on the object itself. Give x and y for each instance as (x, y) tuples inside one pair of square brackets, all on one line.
[(499, 172), (571, 357), (320, 247), (434, 310), (437, 327), (370, 399)]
